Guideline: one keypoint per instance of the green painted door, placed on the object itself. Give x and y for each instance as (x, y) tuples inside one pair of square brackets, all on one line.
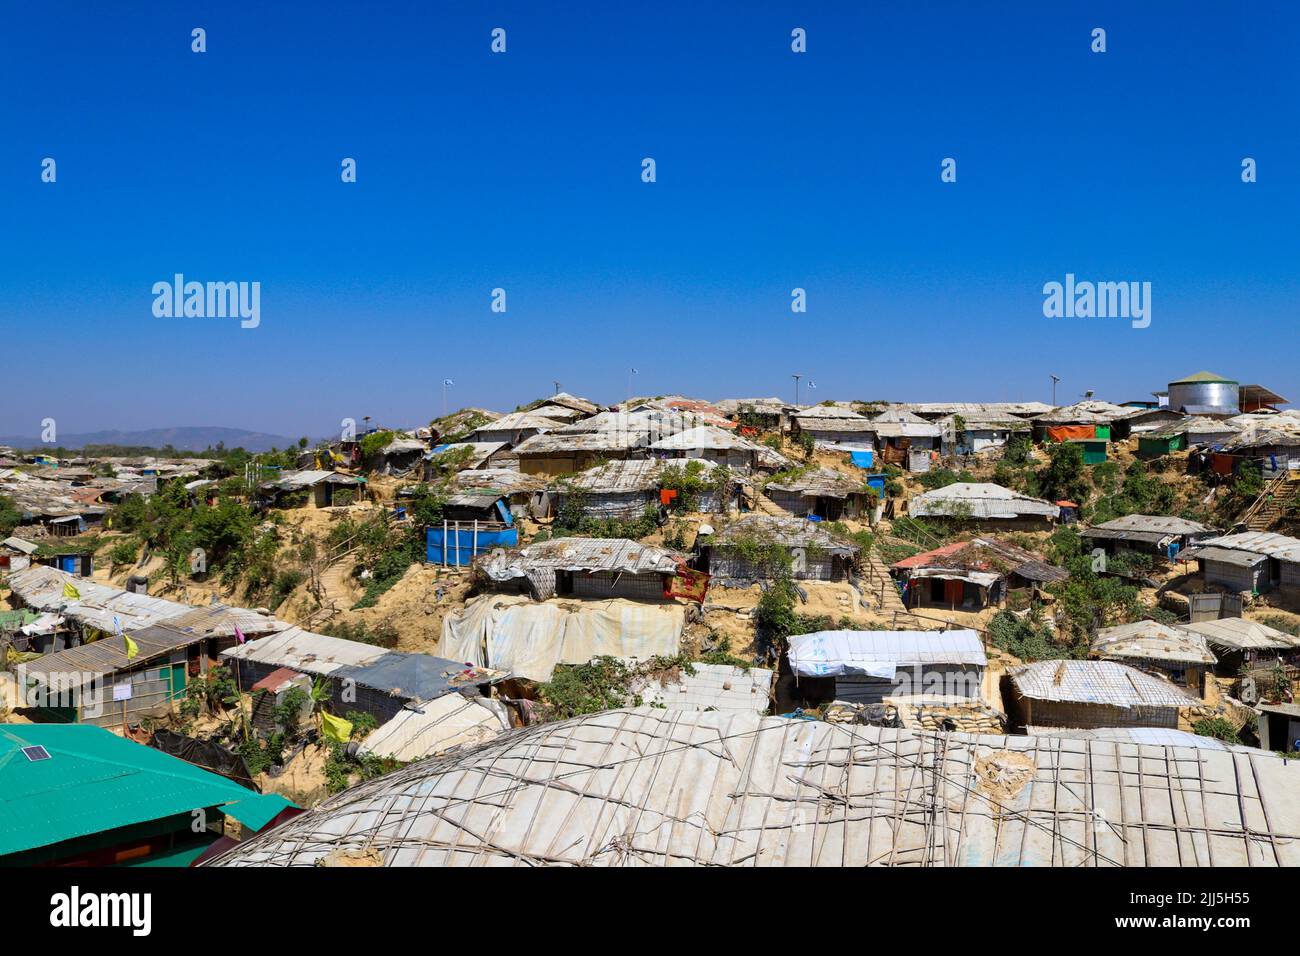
[(178, 680)]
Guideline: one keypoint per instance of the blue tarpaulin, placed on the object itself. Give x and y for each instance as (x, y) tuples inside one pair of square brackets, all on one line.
[(862, 459), (460, 543)]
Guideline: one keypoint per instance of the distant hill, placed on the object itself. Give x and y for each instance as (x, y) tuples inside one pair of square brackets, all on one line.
[(188, 438)]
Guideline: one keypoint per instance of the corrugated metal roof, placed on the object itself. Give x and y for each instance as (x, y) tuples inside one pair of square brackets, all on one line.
[(18, 544), (521, 421), (96, 781), (306, 652), (789, 532), (985, 554), (606, 440), (1239, 633), (649, 787), (981, 500), (1092, 411), (833, 653), (1278, 546), (417, 677), (565, 400), (1096, 682), (821, 483), (1151, 640), (502, 480), (479, 451), (295, 480), (75, 666), (581, 554), (978, 410), (828, 412), (1241, 559), (1161, 524), (704, 437), (626, 476)]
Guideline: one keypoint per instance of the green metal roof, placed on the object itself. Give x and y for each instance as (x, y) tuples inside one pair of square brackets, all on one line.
[(96, 781), (1204, 377)]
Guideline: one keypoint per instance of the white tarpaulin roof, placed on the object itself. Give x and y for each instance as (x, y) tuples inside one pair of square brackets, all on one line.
[(434, 727), (879, 653), (528, 638), (711, 687), (649, 787)]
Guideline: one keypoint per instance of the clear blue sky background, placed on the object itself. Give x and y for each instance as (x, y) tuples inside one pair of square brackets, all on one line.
[(775, 170)]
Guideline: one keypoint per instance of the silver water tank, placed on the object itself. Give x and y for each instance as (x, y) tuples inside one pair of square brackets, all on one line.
[(1205, 389)]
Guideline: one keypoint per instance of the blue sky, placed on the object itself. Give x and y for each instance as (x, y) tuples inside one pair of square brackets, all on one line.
[(522, 171)]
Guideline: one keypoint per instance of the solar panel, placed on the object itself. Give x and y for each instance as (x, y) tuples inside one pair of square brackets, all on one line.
[(36, 753)]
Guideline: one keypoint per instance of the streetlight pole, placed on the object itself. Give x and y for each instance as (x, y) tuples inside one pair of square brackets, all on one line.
[(1054, 381), (796, 376)]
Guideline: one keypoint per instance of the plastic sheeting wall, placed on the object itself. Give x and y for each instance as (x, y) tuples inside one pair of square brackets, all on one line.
[(463, 544), (529, 638)]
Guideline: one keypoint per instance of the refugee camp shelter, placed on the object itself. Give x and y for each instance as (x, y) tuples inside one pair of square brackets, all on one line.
[(714, 687), (961, 435), (525, 493), (1240, 642), (272, 693), (865, 667), (990, 504), (473, 523), (971, 575), (771, 791), (1254, 561), (765, 414), (1179, 655), (1144, 420), (477, 454), (431, 729), (1094, 694), (361, 677), (573, 403), (319, 488), (1279, 726), (80, 796), (709, 443), (832, 425), (563, 453), (97, 682), (514, 428), (402, 454), (626, 490), (822, 492), (737, 556), (1163, 440), (1088, 419), (16, 553), (977, 411), (588, 568), (1276, 449), (76, 609), (510, 632), (905, 439), (1161, 535)]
